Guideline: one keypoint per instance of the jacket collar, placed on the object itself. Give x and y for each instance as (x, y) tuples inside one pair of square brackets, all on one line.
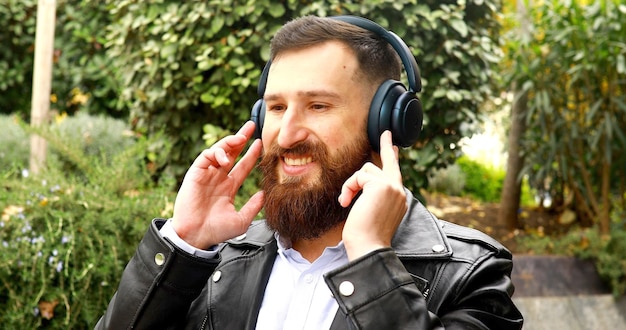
[(419, 235)]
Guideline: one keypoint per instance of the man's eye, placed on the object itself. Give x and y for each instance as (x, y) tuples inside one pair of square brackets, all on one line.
[(318, 106), (276, 107)]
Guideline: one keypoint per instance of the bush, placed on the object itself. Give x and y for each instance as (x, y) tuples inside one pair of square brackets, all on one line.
[(449, 180), (15, 142), (185, 64), (481, 182), (607, 252), (92, 135), (66, 236), (83, 77)]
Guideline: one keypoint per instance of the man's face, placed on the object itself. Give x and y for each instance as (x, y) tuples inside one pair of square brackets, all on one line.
[(314, 137)]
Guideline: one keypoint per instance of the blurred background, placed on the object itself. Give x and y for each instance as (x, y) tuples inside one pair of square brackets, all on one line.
[(524, 134)]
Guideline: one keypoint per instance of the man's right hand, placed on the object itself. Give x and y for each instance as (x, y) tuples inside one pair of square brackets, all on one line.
[(204, 213)]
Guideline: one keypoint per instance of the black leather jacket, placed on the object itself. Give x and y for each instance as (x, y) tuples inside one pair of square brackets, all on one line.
[(436, 275)]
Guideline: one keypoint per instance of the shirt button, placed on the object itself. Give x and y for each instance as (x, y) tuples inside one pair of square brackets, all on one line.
[(159, 259), (308, 278), (438, 248), (217, 275), (346, 288)]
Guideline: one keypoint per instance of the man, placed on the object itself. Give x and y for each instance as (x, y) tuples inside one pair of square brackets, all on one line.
[(344, 246)]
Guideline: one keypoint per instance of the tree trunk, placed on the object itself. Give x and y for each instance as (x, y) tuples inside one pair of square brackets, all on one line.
[(605, 212), (511, 190), (42, 80), (512, 187)]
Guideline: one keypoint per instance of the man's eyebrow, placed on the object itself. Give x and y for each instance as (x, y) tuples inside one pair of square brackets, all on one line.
[(308, 93)]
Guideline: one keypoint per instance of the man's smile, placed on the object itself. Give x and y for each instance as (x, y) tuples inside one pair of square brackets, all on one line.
[(297, 161)]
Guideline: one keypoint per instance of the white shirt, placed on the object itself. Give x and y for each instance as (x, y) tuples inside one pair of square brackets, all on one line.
[(296, 296)]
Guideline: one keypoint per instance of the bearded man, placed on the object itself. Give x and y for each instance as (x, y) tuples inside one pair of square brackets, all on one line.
[(344, 245)]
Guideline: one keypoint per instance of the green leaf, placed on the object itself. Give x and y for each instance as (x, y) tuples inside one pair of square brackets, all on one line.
[(459, 26), (454, 95), (277, 10), (169, 50), (217, 23), (621, 64)]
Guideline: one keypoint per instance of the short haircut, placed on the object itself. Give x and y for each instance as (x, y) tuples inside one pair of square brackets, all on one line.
[(377, 59)]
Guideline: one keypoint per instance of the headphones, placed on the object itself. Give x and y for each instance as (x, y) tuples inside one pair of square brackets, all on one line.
[(392, 108)]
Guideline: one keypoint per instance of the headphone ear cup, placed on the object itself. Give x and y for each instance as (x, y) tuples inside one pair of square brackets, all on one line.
[(381, 110), (406, 120), (257, 115), (394, 109)]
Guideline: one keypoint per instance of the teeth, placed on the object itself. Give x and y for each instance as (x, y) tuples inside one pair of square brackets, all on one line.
[(297, 161)]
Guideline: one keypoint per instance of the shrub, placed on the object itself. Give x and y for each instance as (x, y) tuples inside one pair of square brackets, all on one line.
[(185, 64), (93, 135), (481, 182), (66, 236), (83, 77), (15, 144), (607, 252), (449, 180)]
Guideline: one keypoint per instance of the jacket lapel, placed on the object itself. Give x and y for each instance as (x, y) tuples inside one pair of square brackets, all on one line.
[(237, 286)]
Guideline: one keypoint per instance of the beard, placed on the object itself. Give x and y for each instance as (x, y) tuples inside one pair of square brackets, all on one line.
[(305, 208)]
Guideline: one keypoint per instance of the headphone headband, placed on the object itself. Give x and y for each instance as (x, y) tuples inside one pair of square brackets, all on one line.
[(407, 58)]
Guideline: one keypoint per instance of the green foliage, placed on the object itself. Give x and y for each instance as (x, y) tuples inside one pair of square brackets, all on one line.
[(187, 64), (82, 71), (527, 197), (573, 69), (17, 37), (66, 235), (482, 182), (93, 135), (608, 252), (448, 180), (15, 144)]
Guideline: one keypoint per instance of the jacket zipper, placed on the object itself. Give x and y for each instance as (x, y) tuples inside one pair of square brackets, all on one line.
[(204, 322)]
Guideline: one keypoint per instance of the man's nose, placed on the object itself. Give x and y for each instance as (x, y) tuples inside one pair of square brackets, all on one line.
[(293, 128)]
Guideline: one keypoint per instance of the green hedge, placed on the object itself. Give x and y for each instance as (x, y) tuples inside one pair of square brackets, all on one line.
[(83, 77), (481, 182), (187, 64), (178, 66)]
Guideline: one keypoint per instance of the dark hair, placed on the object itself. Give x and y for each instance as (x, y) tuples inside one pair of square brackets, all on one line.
[(377, 59)]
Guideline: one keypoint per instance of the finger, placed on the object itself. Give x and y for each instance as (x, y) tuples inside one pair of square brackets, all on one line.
[(247, 129), (389, 156), (353, 186), (214, 156), (224, 152), (235, 145), (245, 165), (252, 207)]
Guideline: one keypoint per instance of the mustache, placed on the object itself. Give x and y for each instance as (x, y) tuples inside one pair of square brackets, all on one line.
[(316, 150), (274, 153)]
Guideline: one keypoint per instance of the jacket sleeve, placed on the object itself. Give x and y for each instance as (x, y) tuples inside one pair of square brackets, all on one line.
[(377, 292), (158, 285)]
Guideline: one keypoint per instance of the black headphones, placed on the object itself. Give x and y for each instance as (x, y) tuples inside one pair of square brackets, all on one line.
[(393, 107)]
